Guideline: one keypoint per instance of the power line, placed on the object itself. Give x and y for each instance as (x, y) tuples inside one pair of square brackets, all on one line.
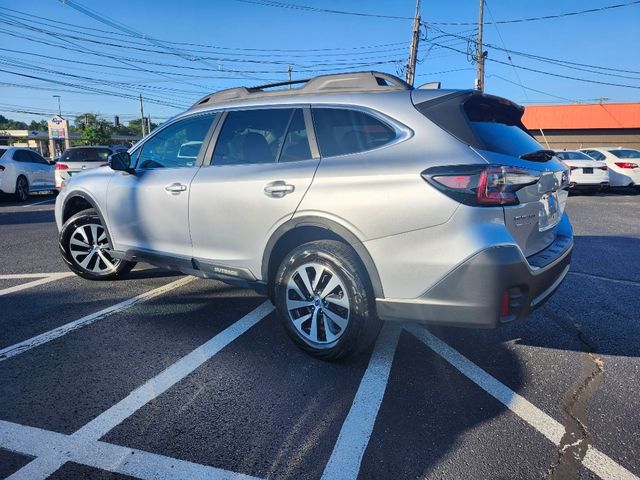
[(58, 23), (373, 49), (532, 56), (295, 6)]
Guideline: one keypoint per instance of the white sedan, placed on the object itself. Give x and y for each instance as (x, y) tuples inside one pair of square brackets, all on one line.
[(23, 171), (623, 163), (585, 173)]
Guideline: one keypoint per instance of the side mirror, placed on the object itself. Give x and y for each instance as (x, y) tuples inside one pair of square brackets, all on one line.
[(121, 162)]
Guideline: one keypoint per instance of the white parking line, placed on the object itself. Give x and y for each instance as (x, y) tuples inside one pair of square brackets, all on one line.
[(142, 395), (43, 338), (49, 447), (606, 279), (48, 277), (353, 439), (40, 202), (596, 461), (82, 446)]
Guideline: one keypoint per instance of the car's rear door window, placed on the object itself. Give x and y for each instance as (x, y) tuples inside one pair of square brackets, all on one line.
[(622, 153), (343, 131), (253, 136), (177, 145), (36, 158), (21, 156)]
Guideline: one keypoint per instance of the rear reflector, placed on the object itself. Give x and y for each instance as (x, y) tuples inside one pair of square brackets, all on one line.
[(505, 308), (481, 185), (62, 166), (627, 164)]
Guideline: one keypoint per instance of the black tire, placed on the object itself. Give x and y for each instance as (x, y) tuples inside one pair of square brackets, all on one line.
[(68, 231), (363, 324), (22, 189)]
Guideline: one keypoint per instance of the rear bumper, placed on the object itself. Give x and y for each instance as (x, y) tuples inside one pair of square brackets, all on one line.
[(589, 186), (472, 294)]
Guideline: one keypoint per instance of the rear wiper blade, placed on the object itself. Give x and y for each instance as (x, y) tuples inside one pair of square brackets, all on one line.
[(539, 155)]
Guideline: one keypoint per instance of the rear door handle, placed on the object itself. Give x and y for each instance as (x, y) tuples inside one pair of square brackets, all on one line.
[(175, 188), (278, 189)]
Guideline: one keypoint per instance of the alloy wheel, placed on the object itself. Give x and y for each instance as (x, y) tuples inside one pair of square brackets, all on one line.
[(22, 189), (89, 247), (317, 303)]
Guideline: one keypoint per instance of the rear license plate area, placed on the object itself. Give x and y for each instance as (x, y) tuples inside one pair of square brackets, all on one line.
[(587, 170), (549, 215)]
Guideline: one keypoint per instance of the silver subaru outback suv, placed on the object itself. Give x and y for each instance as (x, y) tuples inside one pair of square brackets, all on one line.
[(348, 200)]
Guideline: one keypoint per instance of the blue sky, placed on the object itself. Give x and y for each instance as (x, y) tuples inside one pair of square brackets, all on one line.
[(245, 43)]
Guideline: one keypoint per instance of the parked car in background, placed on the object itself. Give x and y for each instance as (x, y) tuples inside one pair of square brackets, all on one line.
[(351, 199), (623, 163), (23, 171), (585, 174), (77, 159)]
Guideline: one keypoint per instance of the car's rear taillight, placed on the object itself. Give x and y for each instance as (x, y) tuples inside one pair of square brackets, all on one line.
[(604, 168), (627, 164), (62, 166), (481, 185)]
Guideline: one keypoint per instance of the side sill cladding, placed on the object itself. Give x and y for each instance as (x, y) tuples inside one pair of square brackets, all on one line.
[(316, 228)]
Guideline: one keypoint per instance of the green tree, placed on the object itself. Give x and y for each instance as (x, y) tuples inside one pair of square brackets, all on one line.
[(7, 124), (41, 125), (135, 128), (86, 119), (98, 135)]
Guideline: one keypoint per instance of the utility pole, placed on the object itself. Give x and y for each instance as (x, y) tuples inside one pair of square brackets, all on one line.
[(290, 71), (59, 109), (142, 119), (481, 54), (413, 51)]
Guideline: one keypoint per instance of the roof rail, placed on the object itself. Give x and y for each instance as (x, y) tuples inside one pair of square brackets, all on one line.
[(336, 83)]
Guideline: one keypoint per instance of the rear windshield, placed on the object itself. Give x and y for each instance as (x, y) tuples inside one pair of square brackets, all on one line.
[(86, 155), (482, 121), (573, 156), (626, 153)]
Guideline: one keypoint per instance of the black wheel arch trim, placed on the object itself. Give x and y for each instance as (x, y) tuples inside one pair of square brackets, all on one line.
[(334, 227), (91, 201)]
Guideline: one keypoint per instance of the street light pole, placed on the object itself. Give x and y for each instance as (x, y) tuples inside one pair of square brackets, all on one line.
[(59, 110)]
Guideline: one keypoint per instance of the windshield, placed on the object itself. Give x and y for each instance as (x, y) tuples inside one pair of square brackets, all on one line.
[(3, 151), (86, 155), (573, 156), (626, 153)]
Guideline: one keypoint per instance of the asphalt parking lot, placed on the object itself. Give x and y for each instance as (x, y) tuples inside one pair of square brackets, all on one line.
[(165, 376)]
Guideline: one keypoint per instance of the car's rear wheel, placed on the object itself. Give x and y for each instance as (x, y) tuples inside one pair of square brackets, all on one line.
[(324, 298), (85, 247), (22, 189)]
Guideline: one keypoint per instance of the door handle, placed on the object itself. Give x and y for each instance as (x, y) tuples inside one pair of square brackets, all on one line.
[(175, 188), (278, 189)]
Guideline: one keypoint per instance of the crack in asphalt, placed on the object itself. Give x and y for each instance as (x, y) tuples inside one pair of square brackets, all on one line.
[(577, 437)]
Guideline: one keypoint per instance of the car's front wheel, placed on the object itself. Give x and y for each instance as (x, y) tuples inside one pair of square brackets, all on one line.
[(85, 247), (325, 301)]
